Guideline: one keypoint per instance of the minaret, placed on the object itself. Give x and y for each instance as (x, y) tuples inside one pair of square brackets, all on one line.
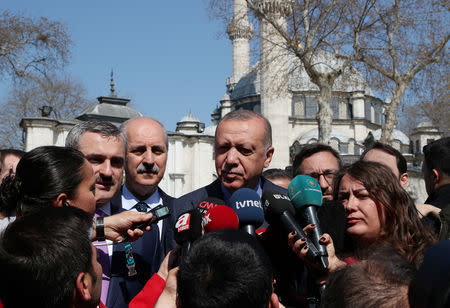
[(276, 98), (240, 32)]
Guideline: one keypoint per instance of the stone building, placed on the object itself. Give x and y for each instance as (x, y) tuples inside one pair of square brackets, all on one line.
[(277, 87), (190, 162)]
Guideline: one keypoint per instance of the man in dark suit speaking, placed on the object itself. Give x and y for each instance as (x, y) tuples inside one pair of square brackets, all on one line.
[(243, 148)]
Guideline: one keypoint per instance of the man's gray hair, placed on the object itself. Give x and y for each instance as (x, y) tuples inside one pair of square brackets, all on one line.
[(123, 128), (105, 129), (245, 115)]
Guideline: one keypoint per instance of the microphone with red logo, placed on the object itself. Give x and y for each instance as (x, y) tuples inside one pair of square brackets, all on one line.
[(187, 229), (220, 217), (207, 204), (247, 205)]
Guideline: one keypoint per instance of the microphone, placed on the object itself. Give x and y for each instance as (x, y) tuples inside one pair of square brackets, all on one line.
[(207, 204), (247, 205), (306, 195), (279, 211), (220, 217), (187, 229)]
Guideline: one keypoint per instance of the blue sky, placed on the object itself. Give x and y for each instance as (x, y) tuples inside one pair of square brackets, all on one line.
[(165, 54)]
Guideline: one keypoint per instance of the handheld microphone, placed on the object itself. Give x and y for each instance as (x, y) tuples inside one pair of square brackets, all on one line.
[(247, 205), (187, 229), (306, 195), (207, 204), (220, 217), (279, 211)]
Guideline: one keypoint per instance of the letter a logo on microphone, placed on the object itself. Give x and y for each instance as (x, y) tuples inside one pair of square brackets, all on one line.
[(183, 222)]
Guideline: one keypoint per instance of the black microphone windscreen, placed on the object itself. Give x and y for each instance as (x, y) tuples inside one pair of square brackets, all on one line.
[(275, 204), (188, 227)]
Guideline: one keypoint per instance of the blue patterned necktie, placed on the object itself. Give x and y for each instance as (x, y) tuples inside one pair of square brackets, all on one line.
[(141, 206)]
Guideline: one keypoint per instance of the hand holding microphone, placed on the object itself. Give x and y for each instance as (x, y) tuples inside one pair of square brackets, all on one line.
[(306, 195), (279, 211)]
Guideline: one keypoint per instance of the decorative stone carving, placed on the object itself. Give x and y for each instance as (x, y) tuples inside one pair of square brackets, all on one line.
[(240, 29), (274, 7)]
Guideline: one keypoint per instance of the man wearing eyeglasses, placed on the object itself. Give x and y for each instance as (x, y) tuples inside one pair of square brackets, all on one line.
[(321, 162)]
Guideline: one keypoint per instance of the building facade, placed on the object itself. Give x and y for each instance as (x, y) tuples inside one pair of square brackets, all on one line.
[(278, 88)]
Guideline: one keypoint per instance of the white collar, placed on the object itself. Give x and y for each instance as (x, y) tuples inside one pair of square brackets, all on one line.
[(129, 200)]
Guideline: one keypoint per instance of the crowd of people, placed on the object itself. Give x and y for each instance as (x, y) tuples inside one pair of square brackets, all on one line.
[(80, 225)]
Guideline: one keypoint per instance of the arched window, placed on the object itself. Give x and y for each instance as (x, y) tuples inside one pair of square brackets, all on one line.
[(372, 114)]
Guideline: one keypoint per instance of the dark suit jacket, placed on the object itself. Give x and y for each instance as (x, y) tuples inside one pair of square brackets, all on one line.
[(191, 200), (147, 254)]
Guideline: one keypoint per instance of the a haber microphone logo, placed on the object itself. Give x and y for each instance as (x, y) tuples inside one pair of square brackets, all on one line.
[(183, 222)]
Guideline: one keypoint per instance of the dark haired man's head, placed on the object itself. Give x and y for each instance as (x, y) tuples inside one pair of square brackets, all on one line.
[(104, 146), (279, 177), (48, 261), (389, 156), (321, 162), (436, 164), (225, 268), (242, 148), (9, 158), (379, 281)]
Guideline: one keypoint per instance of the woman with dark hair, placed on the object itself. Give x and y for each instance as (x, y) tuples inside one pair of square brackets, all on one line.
[(379, 211), (59, 176), (50, 176)]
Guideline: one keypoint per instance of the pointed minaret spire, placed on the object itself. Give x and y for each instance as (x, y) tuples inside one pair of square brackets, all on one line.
[(240, 32), (113, 93)]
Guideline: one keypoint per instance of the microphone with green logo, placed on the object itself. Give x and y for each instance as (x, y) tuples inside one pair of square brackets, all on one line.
[(306, 195)]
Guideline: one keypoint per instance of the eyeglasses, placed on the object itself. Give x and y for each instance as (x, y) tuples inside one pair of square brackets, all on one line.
[(327, 175)]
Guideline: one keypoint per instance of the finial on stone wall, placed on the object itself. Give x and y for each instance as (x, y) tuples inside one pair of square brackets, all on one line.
[(113, 93)]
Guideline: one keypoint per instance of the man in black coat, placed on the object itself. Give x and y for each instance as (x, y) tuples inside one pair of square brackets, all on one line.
[(242, 148)]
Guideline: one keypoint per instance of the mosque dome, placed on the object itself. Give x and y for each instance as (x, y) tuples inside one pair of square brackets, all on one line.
[(110, 108), (190, 125), (313, 135), (350, 81), (425, 124), (115, 113), (396, 135), (189, 118)]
